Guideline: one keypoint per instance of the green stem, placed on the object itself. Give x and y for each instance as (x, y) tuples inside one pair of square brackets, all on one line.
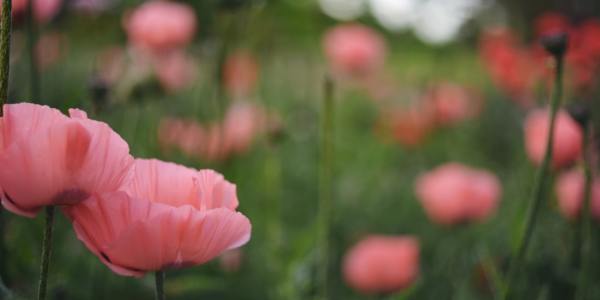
[(159, 279), (5, 30), (273, 209), (32, 35), (491, 272), (325, 188), (586, 222), (46, 252), (541, 182)]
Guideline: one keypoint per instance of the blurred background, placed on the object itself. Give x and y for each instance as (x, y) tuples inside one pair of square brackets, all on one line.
[(237, 86)]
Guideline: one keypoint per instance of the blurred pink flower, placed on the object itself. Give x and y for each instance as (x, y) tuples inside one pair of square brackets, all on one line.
[(382, 264), (176, 70), (231, 260), (454, 193), (18, 7), (242, 123), (111, 64), (452, 103), (159, 25), (354, 49), (93, 6), (569, 191), (410, 126), (48, 158), (50, 47), (240, 73), (43, 10), (513, 67), (46, 10), (167, 216), (568, 137)]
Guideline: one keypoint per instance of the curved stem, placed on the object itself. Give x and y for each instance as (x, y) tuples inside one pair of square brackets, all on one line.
[(46, 252), (585, 228), (159, 280), (542, 178), (325, 189)]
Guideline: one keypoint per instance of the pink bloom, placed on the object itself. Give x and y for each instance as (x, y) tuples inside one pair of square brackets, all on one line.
[(452, 103), (48, 158), (191, 138), (19, 7), (49, 49), (354, 49), (93, 6), (45, 10), (568, 137), (382, 264), (243, 122), (111, 64), (176, 70), (167, 216), (410, 126), (240, 73), (453, 193), (512, 66), (570, 190), (161, 25)]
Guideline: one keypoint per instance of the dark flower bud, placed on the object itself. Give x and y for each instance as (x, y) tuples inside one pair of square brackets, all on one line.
[(556, 44), (580, 112), (98, 89)]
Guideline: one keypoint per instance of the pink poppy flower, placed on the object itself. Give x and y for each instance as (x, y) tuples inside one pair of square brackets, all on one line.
[(49, 49), (512, 66), (454, 193), (354, 49), (243, 123), (48, 158), (46, 10), (409, 126), (382, 264), (568, 137), (569, 191), (112, 64), (161, 25), (93, 6), (176, 71), (451, 103), (182, 134), (240, 74), (19, 7), (43, 10), (167, 216)]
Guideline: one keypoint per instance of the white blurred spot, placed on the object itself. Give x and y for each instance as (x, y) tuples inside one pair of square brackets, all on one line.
[(394, 15), (343, 10), (440, 21)]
